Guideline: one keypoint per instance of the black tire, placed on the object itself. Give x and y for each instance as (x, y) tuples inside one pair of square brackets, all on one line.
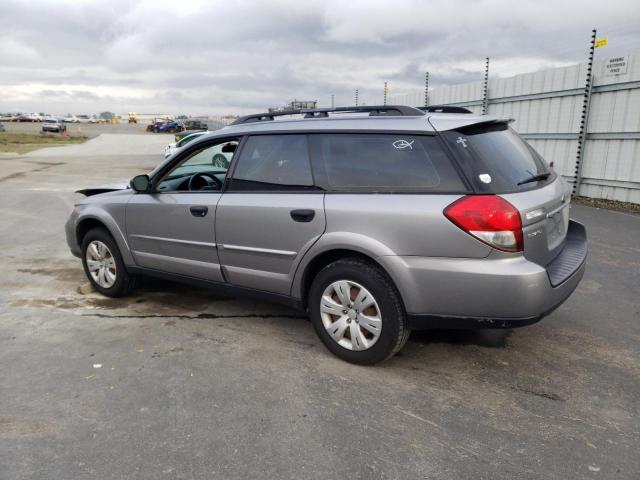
[(124, 282), (394, 332)]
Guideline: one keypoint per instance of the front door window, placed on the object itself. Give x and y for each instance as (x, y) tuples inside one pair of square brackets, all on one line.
[(202, 170)]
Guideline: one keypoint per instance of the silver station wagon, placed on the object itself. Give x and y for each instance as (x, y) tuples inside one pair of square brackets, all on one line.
[(374, 220)]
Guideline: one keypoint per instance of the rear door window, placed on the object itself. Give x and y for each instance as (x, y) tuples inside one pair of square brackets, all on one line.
[(382, 162), (497, 159), (273, 162)]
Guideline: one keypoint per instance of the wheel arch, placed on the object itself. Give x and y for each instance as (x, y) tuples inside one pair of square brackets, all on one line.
[(89, 222), (322, 255)]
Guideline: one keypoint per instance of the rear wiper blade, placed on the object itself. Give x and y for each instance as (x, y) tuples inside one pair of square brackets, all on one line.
[(535, 178)]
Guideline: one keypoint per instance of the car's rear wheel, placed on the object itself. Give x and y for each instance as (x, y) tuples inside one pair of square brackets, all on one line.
[(103, 264), (357, 312)]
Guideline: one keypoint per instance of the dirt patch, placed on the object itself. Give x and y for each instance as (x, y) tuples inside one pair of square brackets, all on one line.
[(43, 166), (67, 303), (19, 427), (64, 274), (626, 207), (157, 303), (26, 142)]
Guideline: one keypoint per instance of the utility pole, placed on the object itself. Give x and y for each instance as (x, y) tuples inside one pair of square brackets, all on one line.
[(356, 97), (426, 89), (485, 89), (386, 87), (333, 102), (586, 101)]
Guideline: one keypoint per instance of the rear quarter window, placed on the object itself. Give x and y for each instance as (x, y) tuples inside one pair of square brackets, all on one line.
[(382, 163), (496, 159)]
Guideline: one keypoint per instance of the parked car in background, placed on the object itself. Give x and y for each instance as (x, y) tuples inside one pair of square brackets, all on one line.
[(71, 119), (171, 126), (51, 124), (374, 220), (22, 118), (184, 133), (96, 119), (194, 125), (155, 123), (84, 118), (181, 142)]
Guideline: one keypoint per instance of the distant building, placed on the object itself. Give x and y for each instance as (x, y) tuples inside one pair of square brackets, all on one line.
[(296, 105), (300, 105)]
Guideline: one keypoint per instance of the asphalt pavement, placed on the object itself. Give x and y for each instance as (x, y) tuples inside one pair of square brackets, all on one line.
[(176, 382)]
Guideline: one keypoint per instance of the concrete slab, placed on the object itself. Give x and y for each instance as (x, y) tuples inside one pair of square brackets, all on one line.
[(194, 385)]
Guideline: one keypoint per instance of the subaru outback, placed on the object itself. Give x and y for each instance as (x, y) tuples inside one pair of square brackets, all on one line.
[(374, 220)]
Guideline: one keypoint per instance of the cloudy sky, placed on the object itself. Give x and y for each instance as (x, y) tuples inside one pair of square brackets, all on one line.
[(214, 57)]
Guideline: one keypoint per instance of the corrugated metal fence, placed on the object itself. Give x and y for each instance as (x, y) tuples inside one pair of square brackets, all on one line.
[(547, 107)]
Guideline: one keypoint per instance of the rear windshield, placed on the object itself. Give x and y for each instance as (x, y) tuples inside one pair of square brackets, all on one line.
[(497, 159), (382, 163)]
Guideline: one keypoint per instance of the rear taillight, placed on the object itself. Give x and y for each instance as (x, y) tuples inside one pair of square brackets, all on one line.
[(490, 219)]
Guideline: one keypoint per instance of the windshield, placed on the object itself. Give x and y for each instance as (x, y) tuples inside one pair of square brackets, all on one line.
[(497, 159)]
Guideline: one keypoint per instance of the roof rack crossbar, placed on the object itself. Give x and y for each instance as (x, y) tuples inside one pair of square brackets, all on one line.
[(375, 110)]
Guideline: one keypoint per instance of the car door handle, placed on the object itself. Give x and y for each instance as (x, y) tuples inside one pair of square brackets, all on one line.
[(303, 215), (199, 210)]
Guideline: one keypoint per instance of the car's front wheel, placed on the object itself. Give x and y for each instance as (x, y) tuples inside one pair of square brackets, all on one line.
[(103, 264), (357, 312)]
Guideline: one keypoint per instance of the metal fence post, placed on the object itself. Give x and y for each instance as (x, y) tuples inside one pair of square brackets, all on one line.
[(584, 119), (485, 89), (356, 97), (426, 89), (385, 94)]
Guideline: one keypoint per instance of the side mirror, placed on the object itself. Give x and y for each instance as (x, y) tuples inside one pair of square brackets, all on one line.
[(140, 183)]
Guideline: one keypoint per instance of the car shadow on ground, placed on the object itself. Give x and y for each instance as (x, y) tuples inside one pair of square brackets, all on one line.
[(490, 338)]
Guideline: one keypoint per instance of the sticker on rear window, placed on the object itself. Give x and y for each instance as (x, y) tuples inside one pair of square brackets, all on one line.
[(462, 141), (402, 144), (485, 178)]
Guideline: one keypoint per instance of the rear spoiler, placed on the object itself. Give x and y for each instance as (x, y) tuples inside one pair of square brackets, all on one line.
[(444, 109), (444, 123)]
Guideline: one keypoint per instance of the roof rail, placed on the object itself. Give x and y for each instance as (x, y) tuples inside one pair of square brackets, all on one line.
[(444, 109), (376, 110)]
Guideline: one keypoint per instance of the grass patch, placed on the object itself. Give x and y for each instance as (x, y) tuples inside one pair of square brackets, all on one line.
[(26, 142)]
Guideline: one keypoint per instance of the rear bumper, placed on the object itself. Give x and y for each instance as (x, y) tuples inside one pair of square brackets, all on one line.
[(494, 292)]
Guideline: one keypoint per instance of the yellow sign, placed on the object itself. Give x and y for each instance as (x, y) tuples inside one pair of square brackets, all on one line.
[(602, 42)]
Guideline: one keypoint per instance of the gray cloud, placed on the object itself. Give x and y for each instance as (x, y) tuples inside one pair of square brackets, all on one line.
[(229, 57)]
